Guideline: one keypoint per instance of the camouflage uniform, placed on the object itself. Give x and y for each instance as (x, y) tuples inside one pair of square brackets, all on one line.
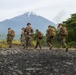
[(23, 38), (9, 38), (28, 32), (49, 38), (38, 40), (61, 38)]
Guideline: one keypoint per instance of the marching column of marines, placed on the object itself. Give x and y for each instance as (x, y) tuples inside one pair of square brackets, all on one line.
[(27, 32)]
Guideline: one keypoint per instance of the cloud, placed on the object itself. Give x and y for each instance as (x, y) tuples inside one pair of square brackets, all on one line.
[(59, 16), (46, 8)]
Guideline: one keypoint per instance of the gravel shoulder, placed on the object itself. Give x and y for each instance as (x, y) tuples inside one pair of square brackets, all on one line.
[(16, 61)]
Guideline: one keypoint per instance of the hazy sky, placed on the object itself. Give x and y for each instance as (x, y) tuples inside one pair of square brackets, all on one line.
[(54, 10)]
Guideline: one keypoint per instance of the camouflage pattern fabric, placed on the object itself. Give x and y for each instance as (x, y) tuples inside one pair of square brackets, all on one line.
[(23, 38), (62, 40), (49, 38), (38, 41), (29, 32), (9, 40)]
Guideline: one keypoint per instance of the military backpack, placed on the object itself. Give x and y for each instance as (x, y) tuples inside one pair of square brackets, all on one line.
[(63, 31), (40, 35), (12, 33), (52, 31)]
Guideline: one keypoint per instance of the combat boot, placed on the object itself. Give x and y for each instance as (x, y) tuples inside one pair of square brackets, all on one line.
[(50, 47), (10, 46), (66, 49)]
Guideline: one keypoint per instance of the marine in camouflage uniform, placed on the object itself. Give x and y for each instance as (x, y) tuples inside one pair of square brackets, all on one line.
[(61, 38), (23, 38), (49, 38), (9, 38), (29, 32), (38, 40)]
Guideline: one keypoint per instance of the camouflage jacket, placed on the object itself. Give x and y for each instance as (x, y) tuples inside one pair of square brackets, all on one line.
[(28, 31), (48, 33), (9, 32)]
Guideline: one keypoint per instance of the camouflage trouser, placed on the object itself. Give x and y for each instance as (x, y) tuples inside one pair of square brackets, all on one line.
[(9, 41), (38, 43), (62, 41), (29, 41), (23, 41), (49, 40)]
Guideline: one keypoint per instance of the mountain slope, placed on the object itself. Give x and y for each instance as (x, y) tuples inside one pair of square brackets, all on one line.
[(18, 22)]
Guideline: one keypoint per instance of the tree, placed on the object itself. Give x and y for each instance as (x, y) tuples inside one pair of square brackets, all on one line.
[(71, 26)]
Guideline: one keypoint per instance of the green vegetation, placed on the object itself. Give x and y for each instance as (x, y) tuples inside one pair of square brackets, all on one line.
[(70, 23), (16, 42), (71, 26), (3, 44)]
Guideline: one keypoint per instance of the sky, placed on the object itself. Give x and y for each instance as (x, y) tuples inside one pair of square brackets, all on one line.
[(54, 10)]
